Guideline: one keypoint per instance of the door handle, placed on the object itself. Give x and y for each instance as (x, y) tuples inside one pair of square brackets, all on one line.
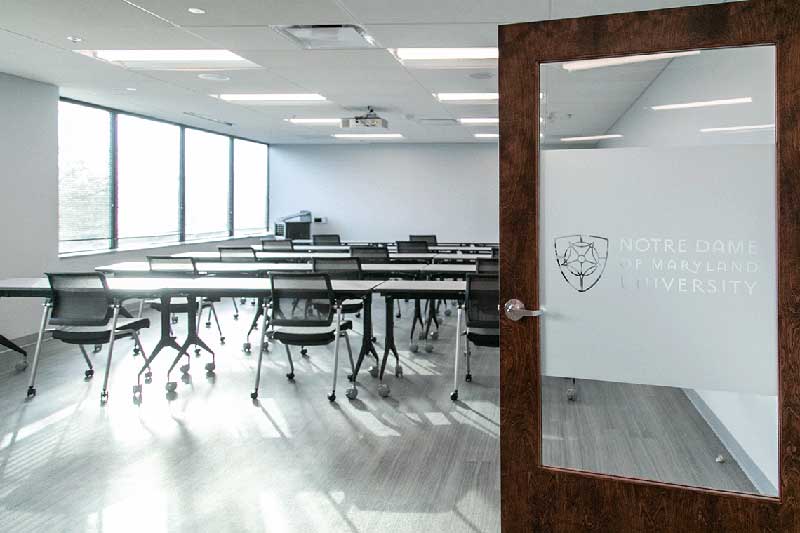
[(515, 310)]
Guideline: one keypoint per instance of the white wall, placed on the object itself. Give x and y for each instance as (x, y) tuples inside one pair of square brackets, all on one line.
[(388, 191), (29, 200)]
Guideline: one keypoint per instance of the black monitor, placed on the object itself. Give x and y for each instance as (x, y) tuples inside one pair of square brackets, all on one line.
[(298, 230)]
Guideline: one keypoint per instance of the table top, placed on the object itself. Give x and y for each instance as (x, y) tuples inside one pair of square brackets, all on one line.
[(251, 267), (422, 288), (277, 256), (391, 246)]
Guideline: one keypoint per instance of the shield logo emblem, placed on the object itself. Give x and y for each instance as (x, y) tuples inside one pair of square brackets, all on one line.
[(581, 259)]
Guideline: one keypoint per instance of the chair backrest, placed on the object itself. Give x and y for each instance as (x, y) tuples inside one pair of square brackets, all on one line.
[(412, 247), (172, 266), (331, 238), (370, 254), (483, 299), (274, 245), (339, 268), (302, 300), (430, 239), (236, 254), (487, 266), (79, 299), (495, 251)]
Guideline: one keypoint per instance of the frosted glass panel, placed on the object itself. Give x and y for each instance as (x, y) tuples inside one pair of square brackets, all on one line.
[(657, 226)]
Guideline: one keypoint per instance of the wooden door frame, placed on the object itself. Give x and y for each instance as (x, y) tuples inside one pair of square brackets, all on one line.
[(548, 499)]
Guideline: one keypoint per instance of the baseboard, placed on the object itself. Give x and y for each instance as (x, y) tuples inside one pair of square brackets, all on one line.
[(750, 469)]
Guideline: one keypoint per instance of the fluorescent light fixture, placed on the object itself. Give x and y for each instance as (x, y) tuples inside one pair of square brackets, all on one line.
[(74, 38), (131, 89), (589, 138), (706, 103), (165, 55), (210, 76), (427, 54), (272, 97), (467, 97), (479, 121), (315, 121), (739, 128), (368, 135), (196, 11), (487, 135), (587, 64)]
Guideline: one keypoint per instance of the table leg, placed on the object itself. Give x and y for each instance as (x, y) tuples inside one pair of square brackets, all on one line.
[(48, 306), (192, 338), (454, 394), (367, 346), (383, 389)]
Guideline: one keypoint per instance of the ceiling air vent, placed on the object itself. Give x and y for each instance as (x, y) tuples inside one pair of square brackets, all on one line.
[(328, 36)]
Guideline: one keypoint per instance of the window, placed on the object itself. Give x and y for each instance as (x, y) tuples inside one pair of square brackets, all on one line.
[(84, 178), (250, 163), (148, 181), (207, 184)]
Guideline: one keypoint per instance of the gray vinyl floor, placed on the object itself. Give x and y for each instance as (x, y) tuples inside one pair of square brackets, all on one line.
[(213, 461)]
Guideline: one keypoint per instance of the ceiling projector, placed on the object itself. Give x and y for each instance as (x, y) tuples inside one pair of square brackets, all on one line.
[(370, 120)]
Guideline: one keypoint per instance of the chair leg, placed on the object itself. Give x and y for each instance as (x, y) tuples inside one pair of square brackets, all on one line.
[(235, 309), (141, 308), (454, 394), (468, 354), (90, 372), (112, 338), (332, 395), (48, 307), (290, 375), (216, 320), (137, 389), (263, 334)]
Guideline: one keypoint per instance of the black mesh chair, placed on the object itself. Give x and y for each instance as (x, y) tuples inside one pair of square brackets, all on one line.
[(482, 315), (330, 239), (370, 254), (168, 266), (342, 268), (412, 247), (302, 313), (237, 254), (283, 245), (83, 312), (487, 266), (430, 239)]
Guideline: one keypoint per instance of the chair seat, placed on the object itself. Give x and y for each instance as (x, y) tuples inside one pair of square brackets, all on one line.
[(484, 337), (99, 334), (308, 336)]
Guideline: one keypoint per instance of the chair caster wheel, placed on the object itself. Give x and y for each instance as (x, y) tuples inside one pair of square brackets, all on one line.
[(137, 399), (358, 315), (208, 324), (148, 377), (252, 302), (435, 335), (210, 367), (97, 348), (174, 319), (185, 369), (242, 300), (351, 394), (246, 347), (374, 371), (332, 397), (421, 336), (236, 317), (571, 394), (171, 395), (397, 316), (186, 378), (350, 378), (290, 376), (171, 386), (304, 352), (398, 372), (88, 374), (454, 395), (429, 347), (383, 390), (197, 352), (136, 352), (447, 312), (253, 395), (31, 392), (104, 397), (414, 348), (21, 366), (468, 378), (222, 340)]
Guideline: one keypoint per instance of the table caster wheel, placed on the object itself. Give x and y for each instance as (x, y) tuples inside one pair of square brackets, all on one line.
[(290, 376), (447, 312), (468, 378), (171, 386), (454, 395), (246, 347), (571, 394), (97, 348), (383, 390), (171, 395), (210, 367), (242, 300), (31, 392), (185, 369), (197, 352), (435, 335), (222, 340), (21, 366), (429, 347), (137, 400), (253, 395), (421, 336), (252, 302), (208, 324), (236, 317), (148, 377), (398, 372), (186, 378), (351, 394), (374, 371), (104, 397), (304, 352), (174, 319), (332, 397), (414, 348), (350, 378), (88, 374)]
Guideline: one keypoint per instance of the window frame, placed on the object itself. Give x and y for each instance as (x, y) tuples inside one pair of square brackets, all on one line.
[(114, 200)]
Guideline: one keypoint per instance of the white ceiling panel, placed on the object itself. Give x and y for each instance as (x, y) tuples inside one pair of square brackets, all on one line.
[(241, 81), (245, 37), (433, 35), (447, 11)]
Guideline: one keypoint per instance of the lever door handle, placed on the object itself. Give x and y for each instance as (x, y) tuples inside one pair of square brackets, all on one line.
[(515, 310)]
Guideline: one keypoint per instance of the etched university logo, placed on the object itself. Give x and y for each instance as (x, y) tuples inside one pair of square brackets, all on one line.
[(582, 259)]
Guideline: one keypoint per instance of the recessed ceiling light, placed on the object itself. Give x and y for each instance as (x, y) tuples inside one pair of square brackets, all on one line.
[(196, 11), (466, 97), (213, 77), (166, 55), (487, 135), (706, 103), (273, 97), (426, 54), (589, 138), (479, 121), (587, 64), (131, 89), (75, 38), (739, 128), (315, 121), (368, 135)]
